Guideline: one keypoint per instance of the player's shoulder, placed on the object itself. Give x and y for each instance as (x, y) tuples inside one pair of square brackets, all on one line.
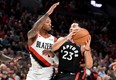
[(61, 37), (55, 38)]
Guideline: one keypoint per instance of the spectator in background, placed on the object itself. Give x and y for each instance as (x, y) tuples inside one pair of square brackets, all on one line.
[(5, 58), (102, 74)]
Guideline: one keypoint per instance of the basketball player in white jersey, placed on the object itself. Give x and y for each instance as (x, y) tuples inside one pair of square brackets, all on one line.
[(38, 40)]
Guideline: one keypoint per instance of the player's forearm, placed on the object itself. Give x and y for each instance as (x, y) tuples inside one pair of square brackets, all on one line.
[(55, 59), (37, 26), (88, 59), (39, 23), (58, 43)]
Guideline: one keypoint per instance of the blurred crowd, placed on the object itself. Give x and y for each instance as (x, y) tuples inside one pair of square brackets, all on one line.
[(16, 20)]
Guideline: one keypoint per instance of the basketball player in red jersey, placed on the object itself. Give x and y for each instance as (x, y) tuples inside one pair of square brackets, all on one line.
[(38, 40), (73, 58)]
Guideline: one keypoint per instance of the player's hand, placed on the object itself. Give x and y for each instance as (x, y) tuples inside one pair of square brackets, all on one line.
[(113, 66), (55, 67), (69, 36), (52, 8), (48, 53)]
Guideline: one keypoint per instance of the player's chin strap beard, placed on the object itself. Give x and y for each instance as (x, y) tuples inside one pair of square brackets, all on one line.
[(49, 31)]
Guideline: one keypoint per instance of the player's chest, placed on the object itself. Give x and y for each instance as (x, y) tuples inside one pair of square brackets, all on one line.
[(69, 51)]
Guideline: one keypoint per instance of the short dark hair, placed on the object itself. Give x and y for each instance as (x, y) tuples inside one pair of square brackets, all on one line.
[(79, 23)]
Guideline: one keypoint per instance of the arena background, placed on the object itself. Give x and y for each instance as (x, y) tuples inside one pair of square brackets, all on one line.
[(18, 16)]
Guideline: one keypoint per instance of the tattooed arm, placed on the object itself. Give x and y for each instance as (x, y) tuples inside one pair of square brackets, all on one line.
[(39, 23), (37, 26)]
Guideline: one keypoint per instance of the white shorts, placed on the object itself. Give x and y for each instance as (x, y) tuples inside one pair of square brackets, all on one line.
[(45, 73)]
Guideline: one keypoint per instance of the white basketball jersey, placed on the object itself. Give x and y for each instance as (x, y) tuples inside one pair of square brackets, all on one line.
[(37, 47)]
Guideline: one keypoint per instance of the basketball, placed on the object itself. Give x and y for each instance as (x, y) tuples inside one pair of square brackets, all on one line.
[(81, 36)]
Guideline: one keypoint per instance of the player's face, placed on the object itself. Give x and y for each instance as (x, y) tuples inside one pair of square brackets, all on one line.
[(47, 24), (74, 27)]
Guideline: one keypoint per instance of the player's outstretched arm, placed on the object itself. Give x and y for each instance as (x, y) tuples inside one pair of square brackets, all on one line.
[(62, 40), (39, 23)]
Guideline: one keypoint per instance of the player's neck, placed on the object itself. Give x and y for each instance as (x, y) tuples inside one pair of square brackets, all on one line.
[(44, 34)]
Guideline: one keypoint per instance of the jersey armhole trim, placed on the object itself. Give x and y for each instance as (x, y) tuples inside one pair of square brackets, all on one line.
[(35, 39)]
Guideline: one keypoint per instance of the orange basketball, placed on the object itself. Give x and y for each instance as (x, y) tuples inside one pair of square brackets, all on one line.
[(81, 36)]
